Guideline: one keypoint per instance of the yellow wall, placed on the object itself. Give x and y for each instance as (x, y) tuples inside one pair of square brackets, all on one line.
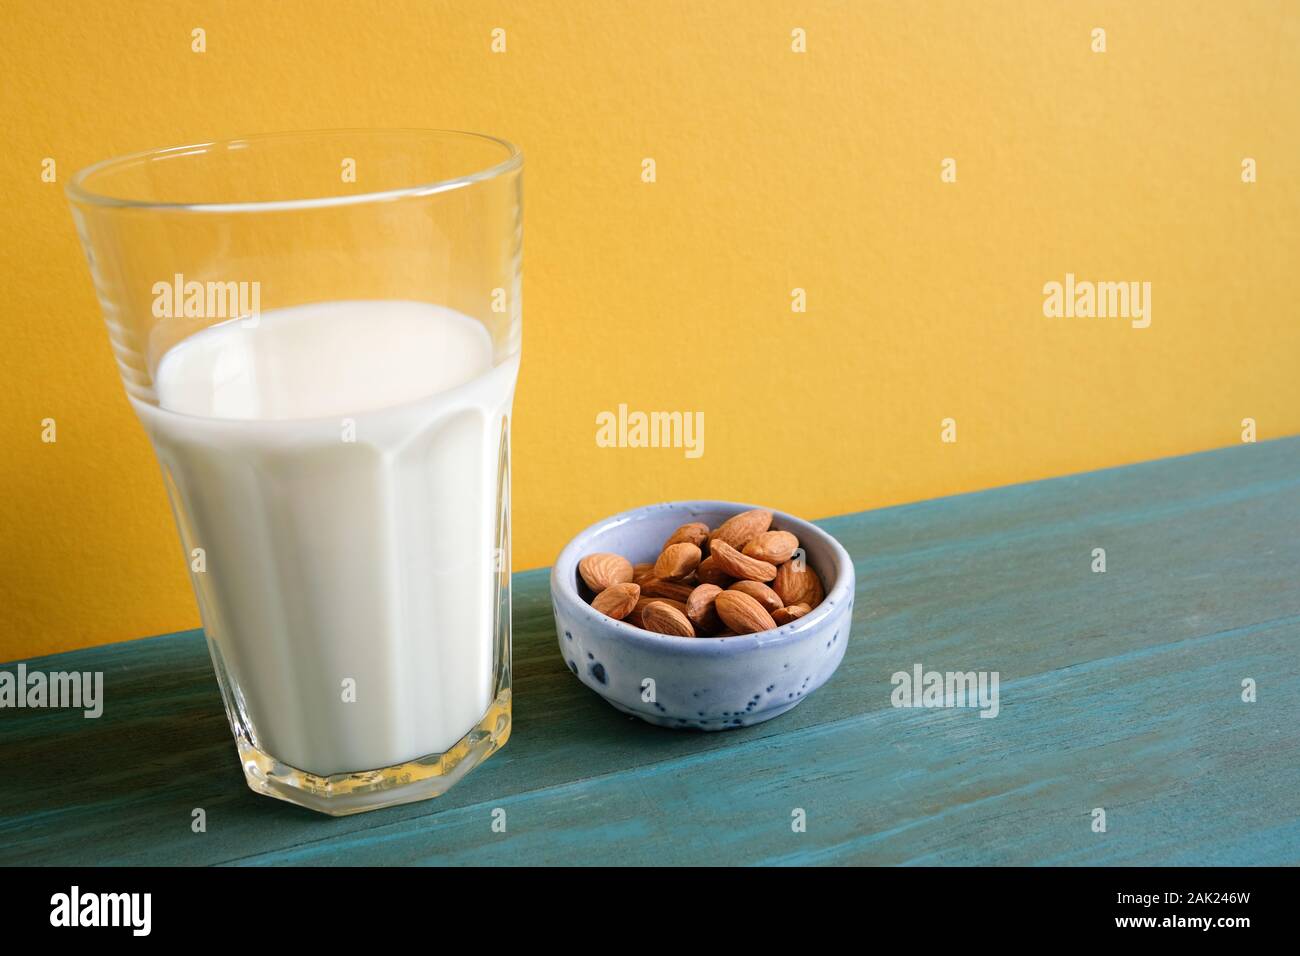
[(775, 170)]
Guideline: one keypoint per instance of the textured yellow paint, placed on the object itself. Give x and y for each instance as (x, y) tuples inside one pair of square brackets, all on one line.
[(775, 170)]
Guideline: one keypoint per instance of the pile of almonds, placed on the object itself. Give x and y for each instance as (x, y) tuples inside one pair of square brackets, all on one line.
[(736, 579)]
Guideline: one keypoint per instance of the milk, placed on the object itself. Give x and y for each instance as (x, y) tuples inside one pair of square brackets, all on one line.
[(338, 464)]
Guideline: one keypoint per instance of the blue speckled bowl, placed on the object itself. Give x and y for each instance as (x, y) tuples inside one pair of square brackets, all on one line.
[(702, 683)]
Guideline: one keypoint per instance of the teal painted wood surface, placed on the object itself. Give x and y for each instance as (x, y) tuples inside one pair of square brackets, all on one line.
[(1120, 690)]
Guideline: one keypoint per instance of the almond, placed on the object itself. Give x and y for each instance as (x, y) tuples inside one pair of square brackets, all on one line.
[(678, 561), (696, 533), (709, 573), (658, 587), (739, 566), (742, 613), (774, 547), (761, 593), (602, 570), (617, 600), (700, 610), (792, 613), (796, 586), (642, 572), (634, 616), (663, 618), (739, 530)]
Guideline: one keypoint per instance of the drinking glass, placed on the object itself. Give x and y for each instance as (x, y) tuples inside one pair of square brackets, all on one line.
[(320, 333)]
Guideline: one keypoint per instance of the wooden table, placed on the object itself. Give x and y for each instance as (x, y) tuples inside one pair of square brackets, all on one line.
[(1119, 690)]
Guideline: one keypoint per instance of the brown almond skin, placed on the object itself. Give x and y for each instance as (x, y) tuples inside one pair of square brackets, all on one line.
[(642, 572), (657, 587), (761, 593), (678, 561), (663, 618), (798, 587), (792, 613), (739, 530), (700, 610), (634, 616), (709, 573), (742, 613), (774, 547), (601, 570), (617, 600), (696, 533), (739, 566)]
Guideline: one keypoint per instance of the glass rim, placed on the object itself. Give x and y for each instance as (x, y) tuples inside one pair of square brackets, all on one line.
[(78, 192)]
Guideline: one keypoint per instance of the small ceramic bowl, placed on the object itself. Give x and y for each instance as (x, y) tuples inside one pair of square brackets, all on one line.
[(701, 683)]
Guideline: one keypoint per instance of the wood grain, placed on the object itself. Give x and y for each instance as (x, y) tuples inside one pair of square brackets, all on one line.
[(1119, 690)]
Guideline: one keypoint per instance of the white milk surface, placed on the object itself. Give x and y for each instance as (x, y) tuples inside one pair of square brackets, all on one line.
[(331, 560)]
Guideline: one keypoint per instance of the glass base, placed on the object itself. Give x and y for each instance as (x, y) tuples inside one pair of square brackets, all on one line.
[(343, 794)]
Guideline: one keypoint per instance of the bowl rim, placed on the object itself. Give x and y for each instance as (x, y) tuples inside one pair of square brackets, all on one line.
[(564, 594)]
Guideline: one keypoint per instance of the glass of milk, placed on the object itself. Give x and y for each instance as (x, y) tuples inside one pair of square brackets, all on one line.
[(320, 333)]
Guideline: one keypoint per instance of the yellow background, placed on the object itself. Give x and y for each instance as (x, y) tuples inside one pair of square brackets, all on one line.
[(776, 170)]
